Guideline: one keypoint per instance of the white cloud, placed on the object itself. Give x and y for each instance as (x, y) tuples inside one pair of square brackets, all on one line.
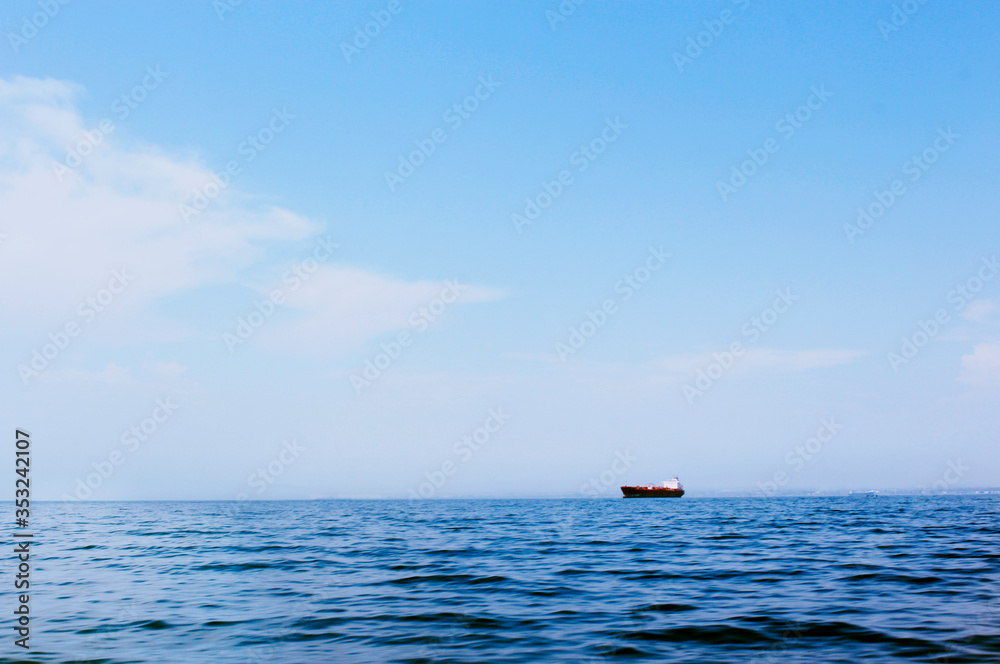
[(64, 235), (753, 359), (341, 307), (111, 374), (166, 369), (763, 358), (982, 311), (119, 208), (982, 366), (800, 360)]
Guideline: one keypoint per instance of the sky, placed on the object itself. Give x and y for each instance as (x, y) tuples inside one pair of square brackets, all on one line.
[(389, 249)]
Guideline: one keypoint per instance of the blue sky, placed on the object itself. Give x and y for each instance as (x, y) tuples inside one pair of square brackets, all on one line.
[(554, 86)]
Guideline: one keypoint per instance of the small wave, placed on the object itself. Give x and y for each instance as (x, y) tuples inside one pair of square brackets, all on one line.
[(463, 579), (885, 577), (625, 652), (154, 624), (667, 608), (320, 623), (234, 567), (706, 634)]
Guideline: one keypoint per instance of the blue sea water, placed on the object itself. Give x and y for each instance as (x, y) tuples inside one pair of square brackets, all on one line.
[(836, 579)]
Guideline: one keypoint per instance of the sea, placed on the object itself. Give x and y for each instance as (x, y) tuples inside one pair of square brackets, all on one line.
[(783, 579)]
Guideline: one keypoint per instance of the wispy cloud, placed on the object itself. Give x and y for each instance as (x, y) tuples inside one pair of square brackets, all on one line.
[(119, 208), (165, 369), (764, 358), (982, 367), (111, 374), (982, 311), (340, 307)]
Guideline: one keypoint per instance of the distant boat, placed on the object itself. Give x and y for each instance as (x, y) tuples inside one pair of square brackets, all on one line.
[(668, 489)]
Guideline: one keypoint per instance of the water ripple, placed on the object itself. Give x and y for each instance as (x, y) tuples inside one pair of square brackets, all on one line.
[(690, 580)]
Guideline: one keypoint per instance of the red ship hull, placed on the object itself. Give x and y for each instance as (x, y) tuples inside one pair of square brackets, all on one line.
[(650, 492)]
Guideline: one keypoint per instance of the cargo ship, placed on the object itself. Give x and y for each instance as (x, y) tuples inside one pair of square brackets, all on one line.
[(668, 489)]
